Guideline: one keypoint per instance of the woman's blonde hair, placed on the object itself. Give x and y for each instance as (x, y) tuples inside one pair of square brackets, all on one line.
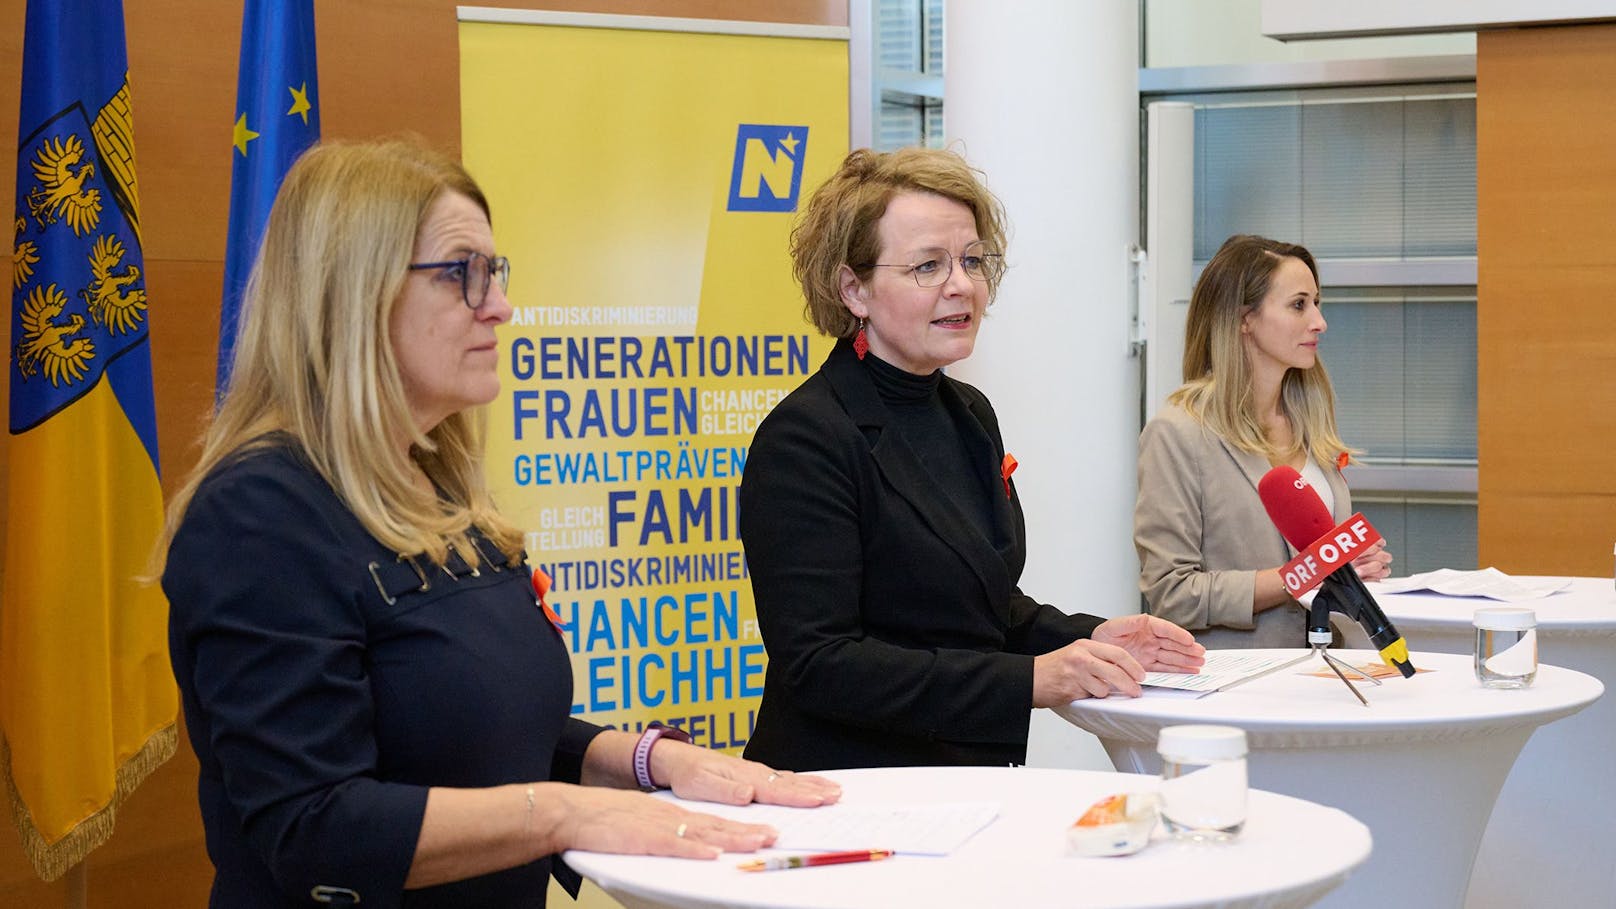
[(1217, 387), (314, 360), (839, 225)]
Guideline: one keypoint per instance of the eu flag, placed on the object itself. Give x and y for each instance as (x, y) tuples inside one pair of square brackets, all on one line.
[(277, 117), (87, 702)]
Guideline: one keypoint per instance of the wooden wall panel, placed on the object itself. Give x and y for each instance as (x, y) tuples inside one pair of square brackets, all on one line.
[(1546, 358), (183, 100), (1545, 172), (386, 67), (1547, 533), (1547, 354)]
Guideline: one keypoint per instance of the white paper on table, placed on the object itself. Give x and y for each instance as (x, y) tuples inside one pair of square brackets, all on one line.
[(1170, 694), (1488, 582), (1222, 669), (925, 829)]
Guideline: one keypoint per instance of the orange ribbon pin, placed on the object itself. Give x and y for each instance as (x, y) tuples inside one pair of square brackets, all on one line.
[(1006, 468), (541, 586)]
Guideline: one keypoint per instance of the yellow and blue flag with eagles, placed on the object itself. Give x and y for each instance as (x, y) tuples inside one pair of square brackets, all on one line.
[(87, 698), (277, 117)]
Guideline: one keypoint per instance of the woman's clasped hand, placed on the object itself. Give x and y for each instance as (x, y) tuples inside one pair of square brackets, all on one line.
[(1114, 659)]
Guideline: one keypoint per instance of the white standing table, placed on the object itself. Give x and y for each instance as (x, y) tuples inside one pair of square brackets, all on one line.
[(1290, 853), (1421, 765), (1556, 816)]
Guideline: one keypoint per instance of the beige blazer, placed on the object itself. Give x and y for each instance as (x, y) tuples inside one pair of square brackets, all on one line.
[(1202, 535)]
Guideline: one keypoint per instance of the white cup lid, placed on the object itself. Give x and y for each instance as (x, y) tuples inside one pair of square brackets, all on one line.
[(1203, 742), (1505, 618)]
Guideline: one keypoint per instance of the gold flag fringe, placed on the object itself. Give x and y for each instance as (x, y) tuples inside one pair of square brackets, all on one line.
[(52, 860)]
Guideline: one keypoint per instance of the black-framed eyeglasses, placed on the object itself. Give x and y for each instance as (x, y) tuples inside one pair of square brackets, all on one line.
[(932, 267), (477, 272)]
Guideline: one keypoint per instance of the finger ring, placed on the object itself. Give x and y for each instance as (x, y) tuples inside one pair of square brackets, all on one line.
[(680, 833), (772, 777)]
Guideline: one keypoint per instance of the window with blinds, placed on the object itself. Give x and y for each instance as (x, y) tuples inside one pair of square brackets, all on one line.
[(1423, 535), (1388, 178), (1404, 369), (1371, 185), (909, 71)]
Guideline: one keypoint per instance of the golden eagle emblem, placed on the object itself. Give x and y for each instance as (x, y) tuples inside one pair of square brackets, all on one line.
[(23, 256), (49, 345), (110, 303), (61, 192)]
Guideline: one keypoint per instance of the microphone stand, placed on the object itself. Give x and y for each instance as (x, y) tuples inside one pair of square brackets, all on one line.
[(1319, 636), (1337, 666), (1319, 642)]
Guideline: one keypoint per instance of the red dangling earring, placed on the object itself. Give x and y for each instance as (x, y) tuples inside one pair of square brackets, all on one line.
[(861, 344)]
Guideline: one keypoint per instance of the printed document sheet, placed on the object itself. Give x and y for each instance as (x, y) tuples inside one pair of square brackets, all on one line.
[(1488, 582), (1223, 669)]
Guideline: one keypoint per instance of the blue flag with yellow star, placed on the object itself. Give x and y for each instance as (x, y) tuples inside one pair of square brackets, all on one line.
[(87, 701), (277, 117)]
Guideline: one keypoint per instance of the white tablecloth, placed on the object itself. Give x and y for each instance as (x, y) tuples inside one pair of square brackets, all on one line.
[(1421, 766), (1557, 812), (1290, 853)]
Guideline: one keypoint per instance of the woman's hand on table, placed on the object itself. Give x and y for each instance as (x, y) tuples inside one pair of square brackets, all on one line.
[(601, 819), (605, 819), (1116, 658), (1083, 669), (701, 774), (1158, 645)]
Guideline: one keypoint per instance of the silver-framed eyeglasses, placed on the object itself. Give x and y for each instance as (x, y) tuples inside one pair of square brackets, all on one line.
[(933, 267), (476, 273)]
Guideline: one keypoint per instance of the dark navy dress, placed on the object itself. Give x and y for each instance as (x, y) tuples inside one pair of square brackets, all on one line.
[(327, 685)]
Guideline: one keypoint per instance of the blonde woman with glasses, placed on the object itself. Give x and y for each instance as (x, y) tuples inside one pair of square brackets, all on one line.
[(377, 699)]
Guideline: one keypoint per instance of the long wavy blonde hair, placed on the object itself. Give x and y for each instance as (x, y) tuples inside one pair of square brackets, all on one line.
[(314, 361), (1217, 387)]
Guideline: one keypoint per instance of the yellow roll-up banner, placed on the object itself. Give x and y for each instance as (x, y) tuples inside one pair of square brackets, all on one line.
[(644, 184)]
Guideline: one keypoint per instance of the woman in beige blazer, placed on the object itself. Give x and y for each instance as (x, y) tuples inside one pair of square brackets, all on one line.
[(1255, 395)]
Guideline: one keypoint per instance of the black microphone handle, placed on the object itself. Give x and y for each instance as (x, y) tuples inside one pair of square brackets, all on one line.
[(1348, 595), (1318, 614)]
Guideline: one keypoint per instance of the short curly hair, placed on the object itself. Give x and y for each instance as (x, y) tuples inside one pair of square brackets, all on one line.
[(839, 225)]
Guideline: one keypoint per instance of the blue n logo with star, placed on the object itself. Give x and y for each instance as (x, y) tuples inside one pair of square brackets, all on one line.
[(768, 167)]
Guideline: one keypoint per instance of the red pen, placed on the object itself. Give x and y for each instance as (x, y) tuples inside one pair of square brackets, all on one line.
[(782, 862)]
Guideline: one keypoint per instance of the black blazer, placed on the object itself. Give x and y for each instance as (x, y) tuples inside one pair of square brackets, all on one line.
[(895, 630)]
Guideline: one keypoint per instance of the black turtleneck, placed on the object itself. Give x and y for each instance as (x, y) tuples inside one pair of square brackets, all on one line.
[(918, 412)]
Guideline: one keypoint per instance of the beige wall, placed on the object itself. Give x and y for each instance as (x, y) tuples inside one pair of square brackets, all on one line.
[(1220, 32), (385, 66), (1546, 337)]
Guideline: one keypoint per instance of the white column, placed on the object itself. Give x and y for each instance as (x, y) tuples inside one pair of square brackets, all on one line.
[(1042, 95)]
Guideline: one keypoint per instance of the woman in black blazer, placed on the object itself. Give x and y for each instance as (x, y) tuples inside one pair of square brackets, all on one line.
[(883, 533)]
